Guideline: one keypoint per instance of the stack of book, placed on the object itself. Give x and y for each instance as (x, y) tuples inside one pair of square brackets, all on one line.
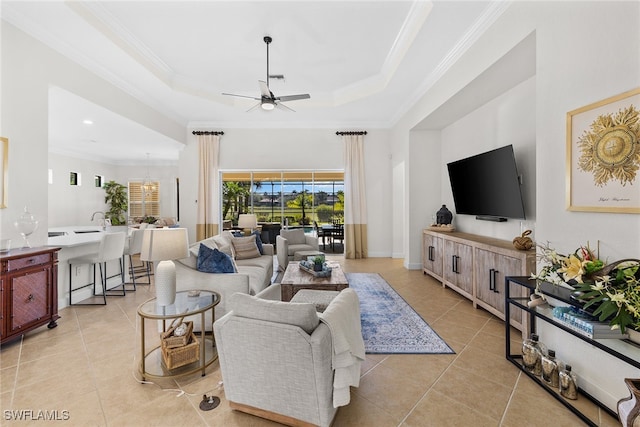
[(586, 325)]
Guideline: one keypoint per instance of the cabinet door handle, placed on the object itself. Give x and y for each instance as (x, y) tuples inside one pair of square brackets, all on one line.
[(491, 279), (495, 288), (454, 267), (431, 253)]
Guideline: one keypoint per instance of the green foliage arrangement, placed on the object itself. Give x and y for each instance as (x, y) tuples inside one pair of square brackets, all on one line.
[(614, 289), (616, 295), (116, 198)]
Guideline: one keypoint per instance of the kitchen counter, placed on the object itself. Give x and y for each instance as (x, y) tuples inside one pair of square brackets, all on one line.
[(79, 235), (76, 241)]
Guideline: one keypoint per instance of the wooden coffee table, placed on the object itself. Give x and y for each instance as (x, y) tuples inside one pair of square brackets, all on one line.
[(295, 279)]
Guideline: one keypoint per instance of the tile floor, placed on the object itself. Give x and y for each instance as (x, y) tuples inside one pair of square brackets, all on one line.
[(86, 369)]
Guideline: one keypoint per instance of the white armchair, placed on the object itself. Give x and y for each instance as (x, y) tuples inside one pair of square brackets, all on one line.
[(277, 358), (288, 242)]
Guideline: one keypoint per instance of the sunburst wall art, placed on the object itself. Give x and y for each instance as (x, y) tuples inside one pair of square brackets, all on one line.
[(603, 155)]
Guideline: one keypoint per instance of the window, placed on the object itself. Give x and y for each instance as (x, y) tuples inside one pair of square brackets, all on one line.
[(98, 180), (74, 178), (144, 199), (300, 197)]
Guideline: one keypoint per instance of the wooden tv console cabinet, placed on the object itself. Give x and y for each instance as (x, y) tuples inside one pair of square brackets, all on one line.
[(476, 266), (28, 290)]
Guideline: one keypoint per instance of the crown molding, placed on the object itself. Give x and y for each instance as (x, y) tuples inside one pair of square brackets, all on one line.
[(27, 26), (310, 125), (491, 13)]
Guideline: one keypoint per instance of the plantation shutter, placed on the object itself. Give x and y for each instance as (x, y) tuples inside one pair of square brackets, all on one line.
[(141, 205)]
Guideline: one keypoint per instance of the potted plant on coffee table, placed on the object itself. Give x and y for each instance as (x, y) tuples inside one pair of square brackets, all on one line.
[(318, 263)]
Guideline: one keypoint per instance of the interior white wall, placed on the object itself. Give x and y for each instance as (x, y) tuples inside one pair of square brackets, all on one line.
[(29, 68), (575, 53), (508, 119), (424, 179), (296, 149), (576, 43), (87, 198), (567, 77), (398, 225)]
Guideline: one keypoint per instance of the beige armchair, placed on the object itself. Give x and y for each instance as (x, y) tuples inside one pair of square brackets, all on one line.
[(288, 242), (277, 359)]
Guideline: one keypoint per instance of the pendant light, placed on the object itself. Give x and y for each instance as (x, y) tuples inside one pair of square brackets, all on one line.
[(148, 187)]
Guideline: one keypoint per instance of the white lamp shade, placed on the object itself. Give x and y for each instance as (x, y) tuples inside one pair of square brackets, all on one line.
[(161, 244), (247, 221)]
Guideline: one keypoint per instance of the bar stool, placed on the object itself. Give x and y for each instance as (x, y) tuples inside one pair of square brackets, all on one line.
[(111, 248), (133, 247)]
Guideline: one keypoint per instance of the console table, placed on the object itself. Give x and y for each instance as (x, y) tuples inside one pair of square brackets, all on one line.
[(621, 349), (28, 291)]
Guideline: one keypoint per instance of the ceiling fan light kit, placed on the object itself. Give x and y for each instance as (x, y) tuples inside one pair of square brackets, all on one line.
[(268, 101)]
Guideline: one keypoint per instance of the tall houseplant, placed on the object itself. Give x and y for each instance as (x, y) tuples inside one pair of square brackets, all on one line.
[(116, 197)]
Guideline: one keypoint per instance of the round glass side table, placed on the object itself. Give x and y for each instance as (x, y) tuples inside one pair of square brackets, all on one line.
[(186, 304)]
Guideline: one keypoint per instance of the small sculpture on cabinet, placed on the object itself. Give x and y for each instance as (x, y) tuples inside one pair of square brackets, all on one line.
[(444, 216), (629, 407)]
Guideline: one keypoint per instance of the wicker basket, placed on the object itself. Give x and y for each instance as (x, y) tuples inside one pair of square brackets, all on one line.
[(170, 340), (174, 357)]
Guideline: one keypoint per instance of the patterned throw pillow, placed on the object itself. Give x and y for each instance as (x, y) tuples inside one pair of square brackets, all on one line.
[(258, 242), (245, 247), (214, 261)]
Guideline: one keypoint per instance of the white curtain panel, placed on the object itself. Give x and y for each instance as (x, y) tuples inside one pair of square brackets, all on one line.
[(208, 191), (355, 203)]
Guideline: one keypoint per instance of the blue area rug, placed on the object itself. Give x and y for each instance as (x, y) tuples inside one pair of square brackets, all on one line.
[(389, 324)]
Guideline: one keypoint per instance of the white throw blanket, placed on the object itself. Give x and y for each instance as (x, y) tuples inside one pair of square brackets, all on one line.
[(342, 317)]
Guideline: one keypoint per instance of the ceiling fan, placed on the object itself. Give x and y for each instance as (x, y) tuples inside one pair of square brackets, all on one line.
[(268, 101)]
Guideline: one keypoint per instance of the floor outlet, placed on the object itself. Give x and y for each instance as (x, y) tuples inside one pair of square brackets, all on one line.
[(209, 402)]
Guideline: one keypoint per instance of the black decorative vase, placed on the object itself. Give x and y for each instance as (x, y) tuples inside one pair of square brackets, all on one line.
[(444, 215), (317, 267)]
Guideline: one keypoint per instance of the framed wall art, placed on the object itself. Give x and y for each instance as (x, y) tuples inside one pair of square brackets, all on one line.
[(603, 155), (4, 171)]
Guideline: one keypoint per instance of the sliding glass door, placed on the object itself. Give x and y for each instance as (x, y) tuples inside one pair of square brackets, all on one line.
[(294, 198)]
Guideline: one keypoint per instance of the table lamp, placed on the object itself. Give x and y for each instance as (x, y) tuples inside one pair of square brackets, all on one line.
[(163, 245), (247, 221)]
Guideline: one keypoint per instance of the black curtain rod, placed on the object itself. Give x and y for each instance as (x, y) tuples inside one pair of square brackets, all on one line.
[(364, 132), (207, 132)]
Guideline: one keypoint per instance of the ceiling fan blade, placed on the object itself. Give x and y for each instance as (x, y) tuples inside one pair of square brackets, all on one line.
[(254, 107), (284, 107), (242, 96), (264, 89), (293, 97)]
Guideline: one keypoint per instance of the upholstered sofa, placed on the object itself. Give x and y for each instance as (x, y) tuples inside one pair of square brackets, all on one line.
[(288, 242), (253, 274), (287, 363)]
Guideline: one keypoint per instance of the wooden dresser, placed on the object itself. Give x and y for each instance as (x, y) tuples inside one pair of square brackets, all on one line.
[(28, 291)]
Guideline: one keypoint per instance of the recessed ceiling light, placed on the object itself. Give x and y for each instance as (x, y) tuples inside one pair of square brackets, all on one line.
[(87, 122)]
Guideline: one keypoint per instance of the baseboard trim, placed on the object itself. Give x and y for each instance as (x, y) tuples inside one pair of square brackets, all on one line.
[(413, 266)]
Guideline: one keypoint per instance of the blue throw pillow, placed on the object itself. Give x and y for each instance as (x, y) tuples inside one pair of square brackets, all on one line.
[(214, 261), (258, 242)]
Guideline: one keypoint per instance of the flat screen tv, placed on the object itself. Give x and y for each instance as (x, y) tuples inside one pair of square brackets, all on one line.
[(487, 185)]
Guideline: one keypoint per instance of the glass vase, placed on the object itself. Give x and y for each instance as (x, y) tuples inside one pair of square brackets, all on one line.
[(26, 224)]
